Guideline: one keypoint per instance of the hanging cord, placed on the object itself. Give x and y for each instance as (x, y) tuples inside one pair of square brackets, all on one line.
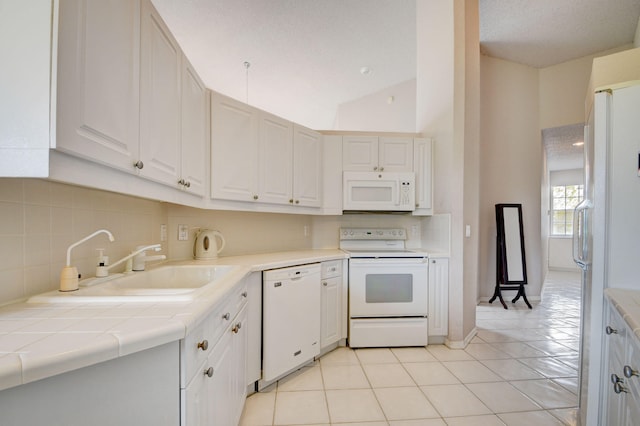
[(247, 64)]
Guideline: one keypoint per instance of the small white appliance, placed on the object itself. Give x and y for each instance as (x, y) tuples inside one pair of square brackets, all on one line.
[(388, 289), (206, 244), (606, 228), (378, 191)]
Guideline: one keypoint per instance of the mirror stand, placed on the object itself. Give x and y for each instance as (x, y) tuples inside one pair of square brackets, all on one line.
[(511, 268)]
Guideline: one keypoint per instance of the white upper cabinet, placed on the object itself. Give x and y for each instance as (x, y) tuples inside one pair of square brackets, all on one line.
[(373, 154), (423, 168), (395, 154), (160, 113), (275, 156), (195, 133), (27, 101), (234, 150), (307, 167), (360, 153), (259, 157), (128, 97), (98, 81)]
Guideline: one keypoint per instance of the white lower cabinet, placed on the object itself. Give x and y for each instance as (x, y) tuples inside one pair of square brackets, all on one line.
[(438, 298), (215, 396), (620, 383), (332, 312), (137, 389), (214, 364)]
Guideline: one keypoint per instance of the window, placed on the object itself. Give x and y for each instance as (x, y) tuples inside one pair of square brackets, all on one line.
[(564, 199)]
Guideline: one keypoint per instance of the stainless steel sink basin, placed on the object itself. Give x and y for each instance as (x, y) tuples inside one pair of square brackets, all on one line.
[(163, 284)]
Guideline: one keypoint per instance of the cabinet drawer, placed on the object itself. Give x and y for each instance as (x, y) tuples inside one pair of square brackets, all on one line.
[(332, 268), (195, 348)]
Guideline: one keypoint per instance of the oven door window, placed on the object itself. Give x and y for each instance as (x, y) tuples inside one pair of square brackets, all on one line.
[(389, 288)]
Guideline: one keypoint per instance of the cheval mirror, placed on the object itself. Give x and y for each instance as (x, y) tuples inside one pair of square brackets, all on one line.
[(511, 267)]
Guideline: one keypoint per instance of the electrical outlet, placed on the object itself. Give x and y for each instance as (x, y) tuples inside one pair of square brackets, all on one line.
[(163, 232), (183, 232)]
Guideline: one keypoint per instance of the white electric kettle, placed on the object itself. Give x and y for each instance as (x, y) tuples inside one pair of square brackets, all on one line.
[(206, 245)]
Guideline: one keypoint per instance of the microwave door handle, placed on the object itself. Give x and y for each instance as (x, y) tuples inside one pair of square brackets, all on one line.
[(396, 192)]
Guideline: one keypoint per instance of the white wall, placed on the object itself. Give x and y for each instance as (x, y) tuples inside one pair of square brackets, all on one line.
[(390, 110), (511, 161)]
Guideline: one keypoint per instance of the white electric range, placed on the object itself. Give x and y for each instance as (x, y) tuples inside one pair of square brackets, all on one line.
[(388, 288)]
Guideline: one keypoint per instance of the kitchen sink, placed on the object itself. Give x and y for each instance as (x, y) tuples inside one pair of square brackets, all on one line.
[(163, 284)]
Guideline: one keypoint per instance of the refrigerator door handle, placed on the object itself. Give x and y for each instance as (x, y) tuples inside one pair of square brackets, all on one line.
[(580, 232)]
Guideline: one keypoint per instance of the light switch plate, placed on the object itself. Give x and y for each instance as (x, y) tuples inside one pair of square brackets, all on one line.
[(183, 232)]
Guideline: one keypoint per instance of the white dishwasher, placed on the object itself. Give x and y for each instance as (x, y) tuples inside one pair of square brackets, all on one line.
[(291, 319)]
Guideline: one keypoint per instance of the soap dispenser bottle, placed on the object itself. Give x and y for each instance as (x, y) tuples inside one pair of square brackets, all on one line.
[(103, 261)]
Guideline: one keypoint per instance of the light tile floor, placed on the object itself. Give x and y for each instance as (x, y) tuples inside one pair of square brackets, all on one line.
[(521, 369)]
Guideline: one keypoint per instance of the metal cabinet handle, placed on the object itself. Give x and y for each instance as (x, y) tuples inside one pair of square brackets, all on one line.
[(629, 372), (138, 164), (226, 316), (616, 379), (237, 328), (187, 184), (610, 330), (618, 388), (208, 372), (204, 345)]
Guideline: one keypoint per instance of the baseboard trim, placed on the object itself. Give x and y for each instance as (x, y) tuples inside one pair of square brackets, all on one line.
[(457, 344)]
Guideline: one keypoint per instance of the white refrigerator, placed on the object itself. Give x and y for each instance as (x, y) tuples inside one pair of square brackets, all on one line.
[(606, 242)]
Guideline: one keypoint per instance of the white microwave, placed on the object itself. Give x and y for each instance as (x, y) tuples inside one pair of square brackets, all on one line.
[(378, 191)]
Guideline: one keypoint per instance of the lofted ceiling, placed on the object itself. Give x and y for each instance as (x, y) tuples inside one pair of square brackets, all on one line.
[(306, 56)]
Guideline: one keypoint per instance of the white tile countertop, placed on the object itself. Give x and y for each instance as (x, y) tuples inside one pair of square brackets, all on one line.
[(39, 340), (627, 302)]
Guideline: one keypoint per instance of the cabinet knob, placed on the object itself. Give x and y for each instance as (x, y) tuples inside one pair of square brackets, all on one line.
[(226, 316), (291, 201), (297, 201), (324, 283), (618, 388), (204, 345), (255, 197), (616, 379), (382, 169), (244, 294), (237, 328), (208, 372), (187, 184), (610, 330), (375, 168), (629, 372), (138, 164)]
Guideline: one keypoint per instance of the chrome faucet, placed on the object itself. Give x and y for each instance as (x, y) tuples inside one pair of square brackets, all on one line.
[(69, 274), (137, 264)]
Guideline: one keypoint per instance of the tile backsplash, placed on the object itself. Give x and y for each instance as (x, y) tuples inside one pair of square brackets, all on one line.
[(39, 219)]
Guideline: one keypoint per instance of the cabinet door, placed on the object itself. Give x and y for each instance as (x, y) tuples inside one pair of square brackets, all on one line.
[(438, 297), (159, 99), (360, 153), (98, 81), (275, 157), (307, 167), (234, 150), (195, 119), (207, 399), (422, 166), (395, 154), (238, 383), (28, 56), (330, 311)]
